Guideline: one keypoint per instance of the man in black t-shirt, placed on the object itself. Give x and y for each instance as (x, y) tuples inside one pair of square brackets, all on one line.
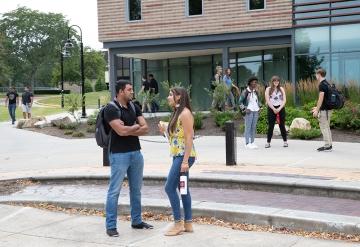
[(11, 101), (154, 89), (27, 99), (321, 111), (125, 156)]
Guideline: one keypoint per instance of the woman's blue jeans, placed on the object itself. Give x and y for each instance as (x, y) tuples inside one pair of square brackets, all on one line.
[(172, 186), (132, 165)]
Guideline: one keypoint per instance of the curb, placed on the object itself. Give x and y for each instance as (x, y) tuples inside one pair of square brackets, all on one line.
[(273, 217), (296, 186)]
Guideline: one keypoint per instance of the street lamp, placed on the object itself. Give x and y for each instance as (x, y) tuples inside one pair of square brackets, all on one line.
[(69, 45), (63, 54)]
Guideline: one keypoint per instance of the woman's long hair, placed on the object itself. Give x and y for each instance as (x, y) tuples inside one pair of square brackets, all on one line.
[(272, 85), (183, 102)]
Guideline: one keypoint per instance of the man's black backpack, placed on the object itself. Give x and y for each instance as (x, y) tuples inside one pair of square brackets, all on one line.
[(102, 135), (335, 99)]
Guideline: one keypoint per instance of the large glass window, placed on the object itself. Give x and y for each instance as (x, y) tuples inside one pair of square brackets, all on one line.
[(194, 7), (256, 4), (159, 69), (346, 68), (137, 75), (312, 40), (122, 67), (306, 65), (249, 64), (134, 10), (201, 75), (345, 38), (179, 71), (276, 62)]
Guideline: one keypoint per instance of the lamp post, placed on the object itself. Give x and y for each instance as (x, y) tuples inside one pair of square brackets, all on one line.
[(68, 45), (62, 76)]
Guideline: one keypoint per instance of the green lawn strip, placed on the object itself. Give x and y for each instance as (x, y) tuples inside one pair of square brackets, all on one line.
[(91, 99), (36, 111)]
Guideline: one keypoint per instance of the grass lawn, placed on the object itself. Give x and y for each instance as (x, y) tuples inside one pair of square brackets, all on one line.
[(36, 111), (91, 99)]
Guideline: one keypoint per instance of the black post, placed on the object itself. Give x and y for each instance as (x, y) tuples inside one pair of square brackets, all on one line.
[(230, 143), (83, 111), (62, 78), (105, 157), (99, 103)]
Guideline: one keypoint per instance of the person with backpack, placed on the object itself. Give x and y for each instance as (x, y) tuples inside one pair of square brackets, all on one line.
[(125, 122), (275, 99), (322, 111), (250, 105), (11, 101)]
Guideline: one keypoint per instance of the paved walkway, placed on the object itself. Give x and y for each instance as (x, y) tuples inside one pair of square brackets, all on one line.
[(58, 229)]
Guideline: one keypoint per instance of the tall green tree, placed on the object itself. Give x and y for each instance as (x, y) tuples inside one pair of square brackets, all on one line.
[(5, 70), (34, 39)]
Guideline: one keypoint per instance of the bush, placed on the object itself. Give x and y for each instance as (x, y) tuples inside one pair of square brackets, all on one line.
[(70, 126), (262, 124), (305, 134), (68, 132), (346, 118), (221, 117), (78, 134), (88, 87), (242, 128), (92, 119), (100, 85), (165, 118), (91, 129), (198, 123)]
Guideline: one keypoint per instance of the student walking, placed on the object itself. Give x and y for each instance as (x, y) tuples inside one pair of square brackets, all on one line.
[(275, 99), (180, 131), (250, 104), (11, 101)]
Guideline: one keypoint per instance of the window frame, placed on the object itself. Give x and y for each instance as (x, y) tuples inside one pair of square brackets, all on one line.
[(248, 6), (127, 11), (187, 13)]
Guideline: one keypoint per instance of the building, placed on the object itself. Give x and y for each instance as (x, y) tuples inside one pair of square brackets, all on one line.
[(184, 40)]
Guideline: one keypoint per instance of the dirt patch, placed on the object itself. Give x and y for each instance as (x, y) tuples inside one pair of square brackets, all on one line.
[(12, 186), (209, 129)]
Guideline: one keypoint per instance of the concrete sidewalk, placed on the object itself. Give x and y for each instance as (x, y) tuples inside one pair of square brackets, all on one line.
[(23, 226)]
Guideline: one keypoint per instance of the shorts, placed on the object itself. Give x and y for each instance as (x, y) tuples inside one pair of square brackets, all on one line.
[(26, 108)]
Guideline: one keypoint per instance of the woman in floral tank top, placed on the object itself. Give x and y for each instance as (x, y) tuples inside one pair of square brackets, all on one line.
[(180, 131)]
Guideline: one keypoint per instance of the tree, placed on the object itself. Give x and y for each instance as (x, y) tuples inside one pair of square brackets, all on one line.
[(5, 71), (34, 39)]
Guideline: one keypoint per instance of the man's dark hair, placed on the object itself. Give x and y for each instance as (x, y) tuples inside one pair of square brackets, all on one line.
[(321, 71), (151, 75), (121, 84), (252, 78)]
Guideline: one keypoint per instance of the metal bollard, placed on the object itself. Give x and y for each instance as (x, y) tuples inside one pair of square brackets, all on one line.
[(106, 161), (230, 143), (99, 103)]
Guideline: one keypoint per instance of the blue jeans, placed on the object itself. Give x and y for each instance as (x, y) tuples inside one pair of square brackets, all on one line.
[(132, 164), (251, 119), (12, 109), (171, 188)]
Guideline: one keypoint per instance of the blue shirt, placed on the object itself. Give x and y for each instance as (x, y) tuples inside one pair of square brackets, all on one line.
[(227, 80)]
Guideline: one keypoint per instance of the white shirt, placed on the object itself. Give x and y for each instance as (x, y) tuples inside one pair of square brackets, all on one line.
[(253, 101), (276, 98)]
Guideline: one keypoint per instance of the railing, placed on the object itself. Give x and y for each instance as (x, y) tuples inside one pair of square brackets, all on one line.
[(325, 12)]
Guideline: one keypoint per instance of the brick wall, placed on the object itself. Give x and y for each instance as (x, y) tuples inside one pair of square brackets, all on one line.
[(166, 18)]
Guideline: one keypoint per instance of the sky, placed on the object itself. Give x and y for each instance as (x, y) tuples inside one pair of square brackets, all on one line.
[(79, 12)]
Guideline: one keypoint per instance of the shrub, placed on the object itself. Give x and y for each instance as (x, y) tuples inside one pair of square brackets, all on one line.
[(100, 85), (165, 118), (70, 126), (221, 117), (262, 124), (68, 132), (305, 134), (198, 123), (91, 129), (92, 119), (241, 128), (88, 87), (346, 118), (73, 103), (78, 134)]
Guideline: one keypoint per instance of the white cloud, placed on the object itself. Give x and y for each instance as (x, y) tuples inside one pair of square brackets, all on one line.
[(79, 12)]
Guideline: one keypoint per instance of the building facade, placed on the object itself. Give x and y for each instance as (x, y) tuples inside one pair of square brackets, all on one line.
[(184, 40)]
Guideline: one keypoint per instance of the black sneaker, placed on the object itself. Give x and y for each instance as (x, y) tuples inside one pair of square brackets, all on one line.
[(142, 225), (325, 148), (112, 232)]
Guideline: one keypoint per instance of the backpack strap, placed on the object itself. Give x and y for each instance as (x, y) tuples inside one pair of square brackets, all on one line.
[(119, 112)]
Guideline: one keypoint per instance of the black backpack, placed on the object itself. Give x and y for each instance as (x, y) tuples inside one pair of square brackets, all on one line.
[(102, 136), (334, 99)]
